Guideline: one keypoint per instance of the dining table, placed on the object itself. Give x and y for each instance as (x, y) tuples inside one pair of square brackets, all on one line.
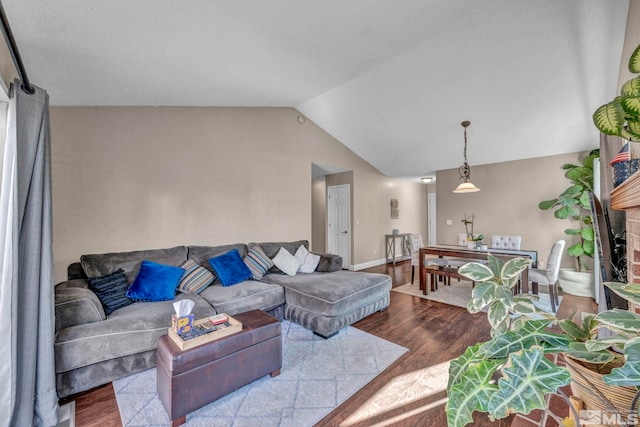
[(455, 251)]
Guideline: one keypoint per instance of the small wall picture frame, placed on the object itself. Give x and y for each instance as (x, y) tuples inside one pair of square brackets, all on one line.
[(395, 211)]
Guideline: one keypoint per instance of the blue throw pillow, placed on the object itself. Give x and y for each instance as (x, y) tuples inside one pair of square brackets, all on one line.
[(230, 268), (155, 282)]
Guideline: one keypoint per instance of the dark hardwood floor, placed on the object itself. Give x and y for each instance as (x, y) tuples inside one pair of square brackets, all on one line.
[(433, 332)]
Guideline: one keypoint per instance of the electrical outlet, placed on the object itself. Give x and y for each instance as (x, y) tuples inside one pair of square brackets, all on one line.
[(375, 251), (449, 222)]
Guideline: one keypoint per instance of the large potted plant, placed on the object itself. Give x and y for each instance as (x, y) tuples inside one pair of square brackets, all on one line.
[(484, 377), (510, 373), (573, 204), (621, 117), (606, 372)]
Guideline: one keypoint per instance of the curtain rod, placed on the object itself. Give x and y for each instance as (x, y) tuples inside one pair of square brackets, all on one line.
[(15, 54)]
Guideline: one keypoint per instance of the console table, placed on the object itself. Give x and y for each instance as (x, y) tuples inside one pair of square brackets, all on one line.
[(390, 244)]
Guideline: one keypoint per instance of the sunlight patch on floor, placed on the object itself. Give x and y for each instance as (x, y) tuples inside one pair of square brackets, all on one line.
[(403, 390)]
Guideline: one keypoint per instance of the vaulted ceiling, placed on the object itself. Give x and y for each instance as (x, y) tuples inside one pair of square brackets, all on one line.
[(392, 80)]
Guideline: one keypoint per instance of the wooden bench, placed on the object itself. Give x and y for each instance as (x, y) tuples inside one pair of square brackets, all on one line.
[(437, 272)]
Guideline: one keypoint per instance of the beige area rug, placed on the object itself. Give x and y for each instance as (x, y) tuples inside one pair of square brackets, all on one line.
[(459, 293), (317, 376)]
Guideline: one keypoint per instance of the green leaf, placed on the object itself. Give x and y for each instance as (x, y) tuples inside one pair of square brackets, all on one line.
[(526, 378), (573, 330), (497, 314), (471, 393), (576, 190), (628, 291), (578, 351), (459, 365), (609, 118), (495, 264), (622, 321), (585, 202), (629, 373), (573, 231), (547, 204), (604, 343), (515, 266), (631, 87), (481, 296), (566, 212), (588, 247), (575, 250), (532, 333), (475, 272), (634, 61), (631, 105), (633, 126), (587, 234)]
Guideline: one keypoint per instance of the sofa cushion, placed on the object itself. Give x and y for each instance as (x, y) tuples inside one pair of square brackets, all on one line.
[(130, 330), (309, 261), (257, 261), (244, 296), (155, 282), (286, 262), (332, 294), (75, 305), (102, 264), (230, 268), (271, 248), (195, 278), (202, 254), (111, 290)]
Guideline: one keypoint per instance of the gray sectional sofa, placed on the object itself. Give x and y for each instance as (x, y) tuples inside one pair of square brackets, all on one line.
[(92, 348)]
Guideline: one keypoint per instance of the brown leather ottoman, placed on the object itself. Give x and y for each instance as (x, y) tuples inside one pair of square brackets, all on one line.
[(190, 379)]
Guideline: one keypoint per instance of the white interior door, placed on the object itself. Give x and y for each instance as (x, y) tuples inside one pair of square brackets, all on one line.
[(339, 222), (432, 223)]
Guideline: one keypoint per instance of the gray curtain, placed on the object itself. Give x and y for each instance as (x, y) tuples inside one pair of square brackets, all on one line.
[(26, 294)]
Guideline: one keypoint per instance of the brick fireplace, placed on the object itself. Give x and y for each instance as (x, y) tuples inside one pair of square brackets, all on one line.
[(627, 197)]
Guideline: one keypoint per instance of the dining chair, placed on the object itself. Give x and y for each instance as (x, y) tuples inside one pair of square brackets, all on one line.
[(415, 243), (499, 241), (549, 276)]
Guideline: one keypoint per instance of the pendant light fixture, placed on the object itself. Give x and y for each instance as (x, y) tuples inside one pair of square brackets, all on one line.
[(465, 171)]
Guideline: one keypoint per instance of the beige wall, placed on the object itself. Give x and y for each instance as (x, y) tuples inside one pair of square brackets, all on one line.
[(372, 212), (318, 215), (631, 41), (508, 202), (8, 71), (127, 178)]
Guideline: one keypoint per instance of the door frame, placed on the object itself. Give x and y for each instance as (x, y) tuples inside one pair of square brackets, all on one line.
[(331, 188), (432, 225)]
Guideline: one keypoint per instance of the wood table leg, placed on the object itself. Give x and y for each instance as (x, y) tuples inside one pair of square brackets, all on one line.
[(179, 421)]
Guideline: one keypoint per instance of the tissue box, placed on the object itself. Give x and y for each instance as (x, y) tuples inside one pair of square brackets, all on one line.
[(181, 324)]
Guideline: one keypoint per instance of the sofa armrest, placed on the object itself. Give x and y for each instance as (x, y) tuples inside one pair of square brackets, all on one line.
[(76, 304), (329, 263)]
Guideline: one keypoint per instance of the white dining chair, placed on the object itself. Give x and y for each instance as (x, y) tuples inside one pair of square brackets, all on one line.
[(549, 275), (499, 241), (415, 243)]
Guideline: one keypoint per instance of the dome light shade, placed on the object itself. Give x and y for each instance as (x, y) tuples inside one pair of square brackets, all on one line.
[(465, 170), (466, 187)]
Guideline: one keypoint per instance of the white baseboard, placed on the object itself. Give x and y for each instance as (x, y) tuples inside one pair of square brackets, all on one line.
[(368, 264), (67, 415)]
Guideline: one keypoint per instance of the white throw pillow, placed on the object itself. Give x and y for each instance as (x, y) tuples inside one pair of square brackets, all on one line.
[(309, 261), (286, 262)]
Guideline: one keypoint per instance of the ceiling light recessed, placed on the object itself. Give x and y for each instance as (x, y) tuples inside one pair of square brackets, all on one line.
[(427, 179)]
